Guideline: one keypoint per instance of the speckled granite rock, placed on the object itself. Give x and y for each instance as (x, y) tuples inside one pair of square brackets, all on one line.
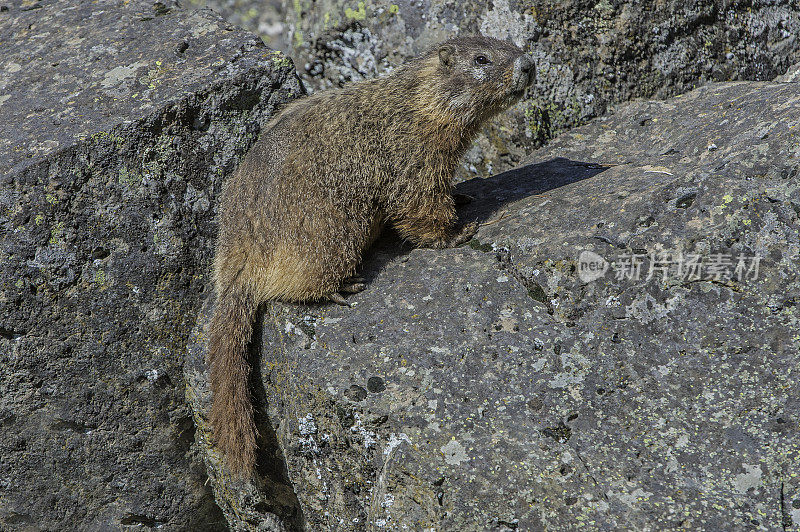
[(489, 387), (791, 76), (119, 120), (263, 17), (589, 53)]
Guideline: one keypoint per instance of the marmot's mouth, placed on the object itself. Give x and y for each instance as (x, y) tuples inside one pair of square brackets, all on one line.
[(519, 91), (523, 82)]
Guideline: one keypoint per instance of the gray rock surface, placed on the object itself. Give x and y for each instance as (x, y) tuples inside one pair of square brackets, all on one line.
[(791, 76), (489, 387), (590, 54), (263, 17), (119, 120)]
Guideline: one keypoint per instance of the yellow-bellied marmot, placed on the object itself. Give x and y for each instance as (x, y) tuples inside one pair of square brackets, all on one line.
[(324, 176)]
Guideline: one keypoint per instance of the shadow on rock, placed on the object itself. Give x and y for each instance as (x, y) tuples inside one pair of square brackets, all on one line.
[(495, 192), (491, 195), (280, 498)]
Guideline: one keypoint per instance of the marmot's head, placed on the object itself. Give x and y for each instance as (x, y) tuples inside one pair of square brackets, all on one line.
[(481, 76)]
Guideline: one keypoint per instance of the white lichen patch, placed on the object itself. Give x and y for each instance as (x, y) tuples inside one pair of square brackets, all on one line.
[(636, 496), (454, 452), (388, 501), (394, 441), (646, 309), (117, 75), (507, 321), (306, 425), (369, 437), (576, 367), (750, 479)]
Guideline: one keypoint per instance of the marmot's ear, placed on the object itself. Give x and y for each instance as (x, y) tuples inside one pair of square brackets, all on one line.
[(446, 53)]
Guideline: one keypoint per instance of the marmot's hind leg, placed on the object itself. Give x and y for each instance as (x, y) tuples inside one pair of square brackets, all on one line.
[(464, 234)]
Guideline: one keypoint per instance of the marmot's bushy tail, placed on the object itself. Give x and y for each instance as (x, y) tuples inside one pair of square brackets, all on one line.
[(232, 409)]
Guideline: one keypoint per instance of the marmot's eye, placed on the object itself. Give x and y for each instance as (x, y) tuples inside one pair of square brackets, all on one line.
[(481, 60)]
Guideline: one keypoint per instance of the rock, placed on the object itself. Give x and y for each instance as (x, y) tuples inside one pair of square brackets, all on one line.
[(791, 76), (589, 55), (265, 18), (119, 122), (531, 380)]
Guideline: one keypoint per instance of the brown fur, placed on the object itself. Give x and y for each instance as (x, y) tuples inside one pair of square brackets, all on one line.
[(315, 189)]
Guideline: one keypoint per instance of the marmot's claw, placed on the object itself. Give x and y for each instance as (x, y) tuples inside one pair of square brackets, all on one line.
[(352, 288), (465, 234), (337, 298), (462, 199)]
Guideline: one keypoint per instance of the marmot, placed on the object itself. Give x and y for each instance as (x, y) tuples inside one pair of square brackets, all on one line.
[(325, 174)]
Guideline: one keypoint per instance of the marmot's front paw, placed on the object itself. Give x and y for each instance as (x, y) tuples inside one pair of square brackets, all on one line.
[(465, 234)]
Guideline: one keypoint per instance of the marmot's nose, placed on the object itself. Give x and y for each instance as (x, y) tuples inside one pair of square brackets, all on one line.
[(526, 67)]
